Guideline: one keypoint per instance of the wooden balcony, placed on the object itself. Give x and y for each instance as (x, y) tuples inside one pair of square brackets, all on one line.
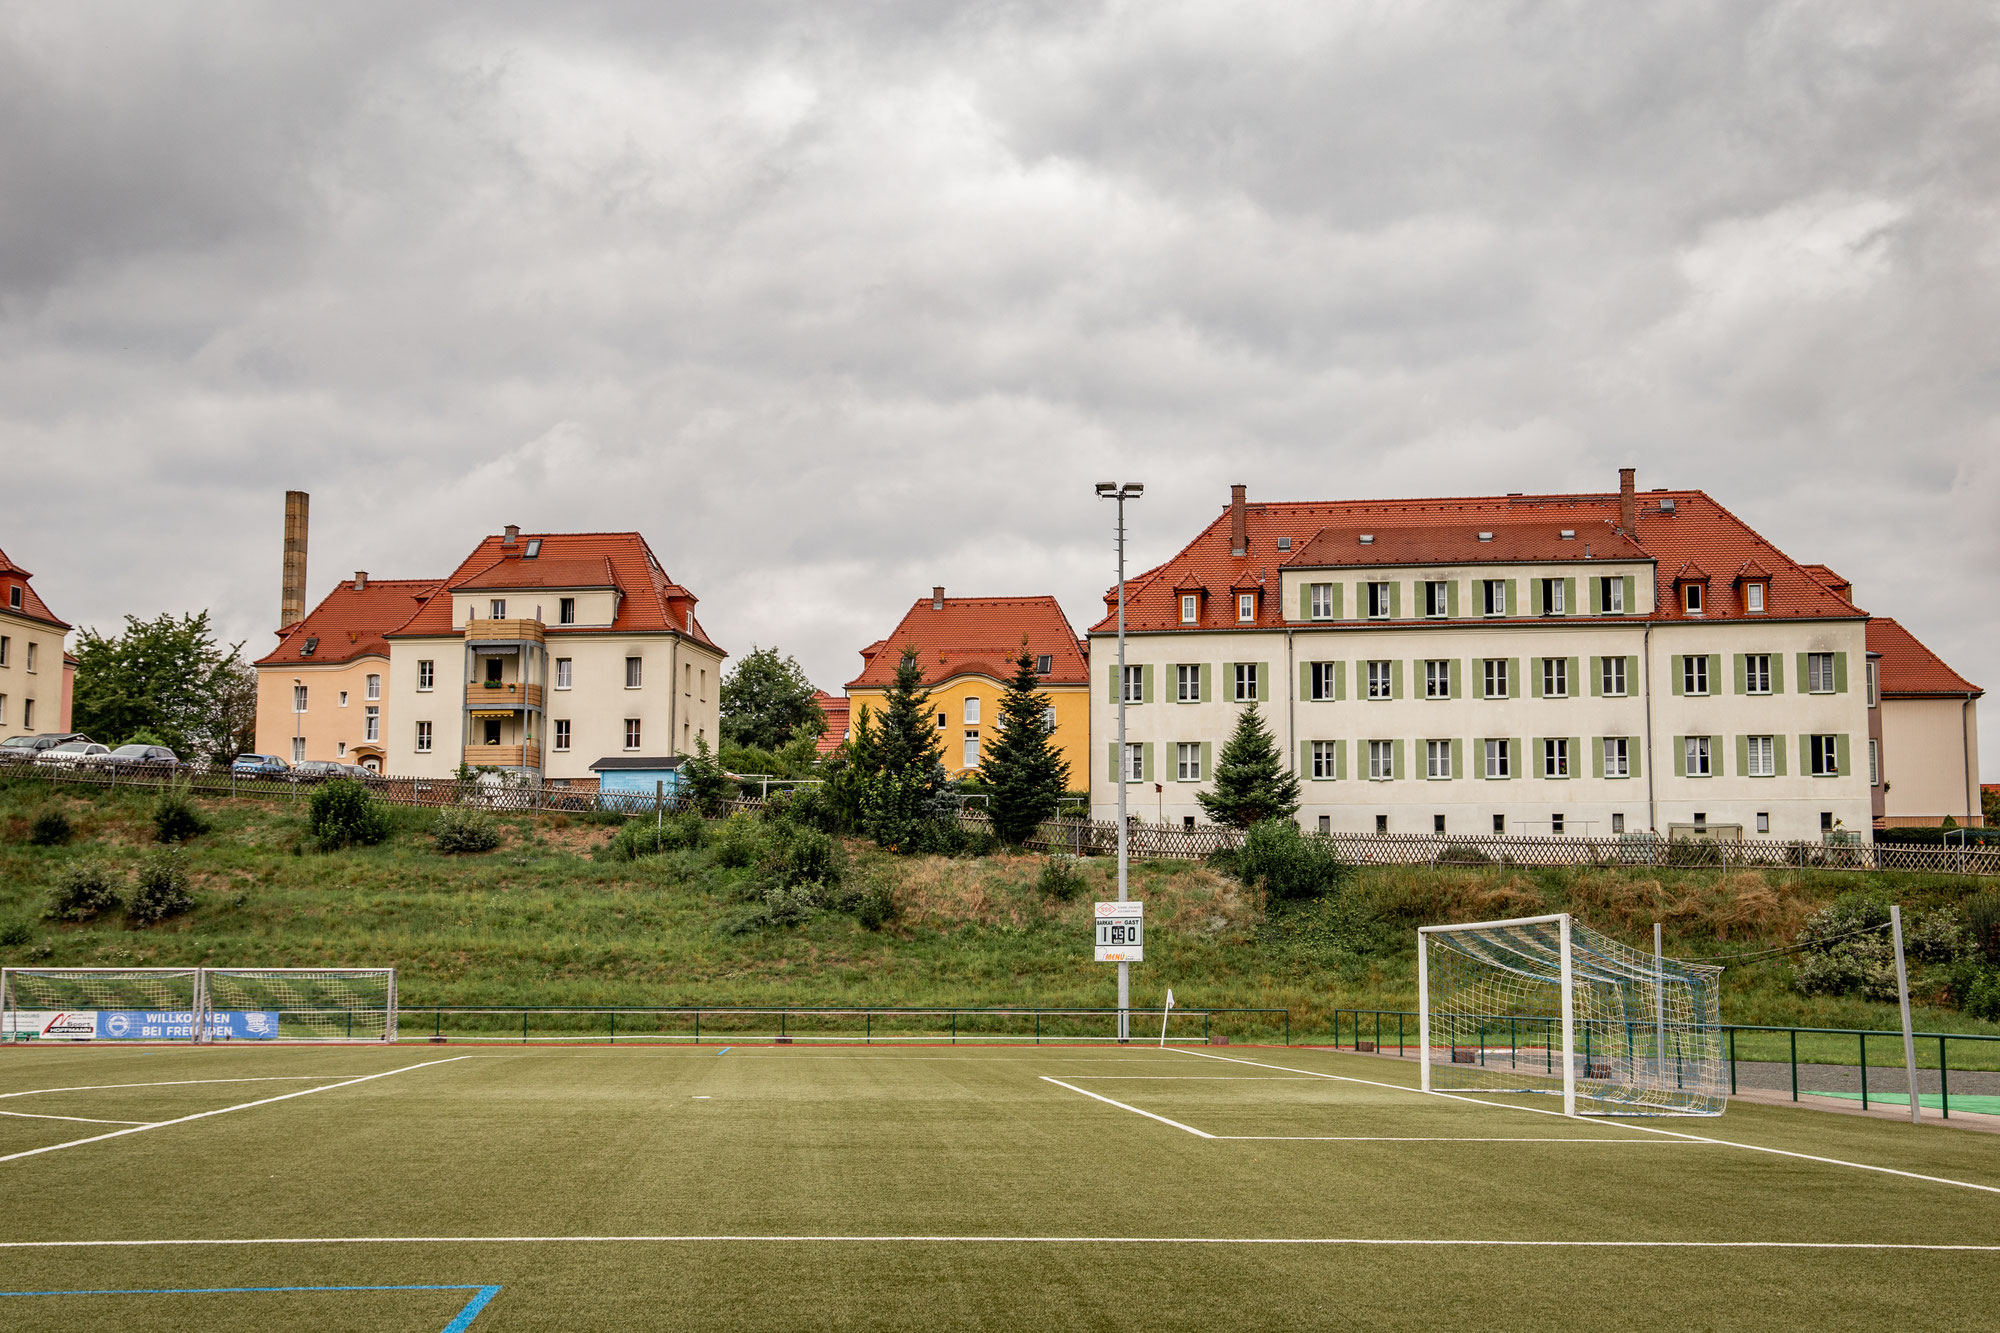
[(504, 694), (503, 631), (503, 756)]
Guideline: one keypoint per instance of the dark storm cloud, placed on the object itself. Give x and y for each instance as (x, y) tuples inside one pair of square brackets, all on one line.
[(835, 303)]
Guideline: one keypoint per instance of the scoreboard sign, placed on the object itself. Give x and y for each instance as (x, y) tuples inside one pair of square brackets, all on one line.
[(1121, 935)]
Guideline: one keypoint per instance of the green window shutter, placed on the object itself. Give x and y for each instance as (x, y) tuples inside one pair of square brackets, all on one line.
[(1715, 673), (1596, 677), (1337, 600), (1263, 682), (1569, 596), (1535, 607), (1840, 754), (1597, 756), (1452, 671), (1742, 675), (1305, 680), (1804, 679), (1535, 677), (1111, 695), (1111, 757), (1535, 743), (1207, 683), (1207, 760), (1451, 599), (1596, 597), (1340, 680), (1396, 601), (1840, 681), (1575, 754), (1229, 680), (1778, 754), (1396, 769), (1513, 678), (1680, 757), (1517, 755), (1361, 599), (1511, 602), (1146, 684), (1805, 754), (1574, 664), (1631, 607), (1396, 679), (1340, 760), (1742, 756), (1631, 675), (1146, 761), (1305, 601), (1777, 673), (1632, 752), (1305, 759), (1679, 670), (1457, 758)]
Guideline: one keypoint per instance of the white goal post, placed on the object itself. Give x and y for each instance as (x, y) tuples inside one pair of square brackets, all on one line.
[(198, 1004), (1545, 1004)]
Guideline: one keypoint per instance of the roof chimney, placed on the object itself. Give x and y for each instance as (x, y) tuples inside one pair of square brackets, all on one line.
[(1628, 502), (937, 598), (1239, 525), (513, 535), (292, 599), (360, 580)]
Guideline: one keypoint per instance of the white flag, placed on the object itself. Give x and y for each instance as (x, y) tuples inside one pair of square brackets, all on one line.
[(1170, 998)]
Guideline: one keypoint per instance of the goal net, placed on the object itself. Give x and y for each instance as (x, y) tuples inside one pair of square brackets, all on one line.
[(95, 1004), (1547, 1005)]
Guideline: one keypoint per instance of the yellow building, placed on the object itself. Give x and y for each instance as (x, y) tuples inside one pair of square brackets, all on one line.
[(323, 692), (967, 647), (37, 677)]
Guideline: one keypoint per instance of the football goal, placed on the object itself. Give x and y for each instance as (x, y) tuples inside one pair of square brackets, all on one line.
[(1544, 1004), (205, 1004)]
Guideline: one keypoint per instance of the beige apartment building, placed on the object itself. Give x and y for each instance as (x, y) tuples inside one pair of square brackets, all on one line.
[(1548, 664), (36, 676), (1924, 760), (322, 693)]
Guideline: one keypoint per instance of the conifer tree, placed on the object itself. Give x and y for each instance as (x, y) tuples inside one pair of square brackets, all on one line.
[(1251, 782), (910, 784), (1022, 766)]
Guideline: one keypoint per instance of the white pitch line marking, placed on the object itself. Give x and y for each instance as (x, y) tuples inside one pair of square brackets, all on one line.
[(1370, 1241), (79, 1119), (173, 1083), (224, 1110), (1120, 1105), (1646, 1129)]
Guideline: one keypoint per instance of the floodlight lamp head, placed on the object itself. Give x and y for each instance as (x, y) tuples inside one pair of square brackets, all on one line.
[(1133, 490), (1107, 488)]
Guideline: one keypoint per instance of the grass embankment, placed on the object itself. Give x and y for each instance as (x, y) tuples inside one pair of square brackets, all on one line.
[(541, 921)]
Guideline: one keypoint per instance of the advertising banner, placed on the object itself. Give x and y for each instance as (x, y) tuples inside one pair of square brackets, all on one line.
[(136, 1025)]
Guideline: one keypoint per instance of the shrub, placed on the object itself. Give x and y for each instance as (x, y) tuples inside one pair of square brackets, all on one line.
[(163, 888), (1061, 877), (1463, 854), (1982, 921), (83, 889), (805, 856), (1288, 865), (811, 807), (175, 818), (877, 907), (51, 829), (789, 905), (739, 841), (344, 814), (15, 933), (1977, 990), (1838, 961), (458, 832)]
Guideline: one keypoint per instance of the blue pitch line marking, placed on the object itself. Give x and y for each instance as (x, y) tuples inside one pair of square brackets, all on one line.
[(481, 1296), (725, 1050)]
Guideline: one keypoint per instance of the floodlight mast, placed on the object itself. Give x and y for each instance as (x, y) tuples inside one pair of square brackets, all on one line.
[(1131, 490)]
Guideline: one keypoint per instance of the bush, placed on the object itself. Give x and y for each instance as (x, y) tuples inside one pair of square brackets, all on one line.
[(163, 888), (1935, 837), (1977, 989), (739, 842), (877, 907), (790, 905), (15, 933), (175, 818), (344, 814), (50, 829), (1866, 963), (685, 831), (458, 832), (83, 889), (1982, 922), (809, 807), (1061, 877), (1290, 867), (805, 856)]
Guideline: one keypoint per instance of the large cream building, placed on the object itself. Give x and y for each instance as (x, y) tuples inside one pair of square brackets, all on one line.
[(1531, 664)]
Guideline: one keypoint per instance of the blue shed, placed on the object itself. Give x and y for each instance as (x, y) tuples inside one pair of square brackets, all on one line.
[(637, 777)]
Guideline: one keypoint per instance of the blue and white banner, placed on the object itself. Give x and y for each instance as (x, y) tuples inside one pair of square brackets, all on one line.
[(140, 1025)]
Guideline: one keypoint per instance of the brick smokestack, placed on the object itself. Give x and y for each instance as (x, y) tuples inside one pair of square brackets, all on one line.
[(292, 603), (1239, 523), (937, 597), (1628, 501)]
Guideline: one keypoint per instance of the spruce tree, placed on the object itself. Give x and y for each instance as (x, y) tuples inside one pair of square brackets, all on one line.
[(1251, 782), (910, 784), (1022, 767)]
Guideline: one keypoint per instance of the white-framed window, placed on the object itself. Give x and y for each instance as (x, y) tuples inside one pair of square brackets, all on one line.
[(1044, 663), (1611, 595), (565, 610), (971, 710), (498, 607), (298, 749), (972, 749), (1555, 677), (426, 674), (1695, 756), (1493, 597), (1819, 673), (1187, 683), (1824, 752), (562, 733), (371, 722), (342, 702), (633, 733), (1437, 759), (1499, 764), (1378, 601), (374, 690), (1691, 598), (1555, 757), (944, 720), (1322, 681), (1437, 597), (1617, 757), (1694, 673), (1246, 682), (1381, 761), (1049, 719), (1763, 821), (298, 698), (1437, 679), (633, 672), (1612, 677), (1322, 601), (1187, 761), (3, 710), (1190, 608), (1874, 685), (1246, 606), (562, 673), (1753, 598), (1756, 673), (1135, 762), (1495, 670), (1325, 759), (1380, 680), (32, 654), (1555, 598), (1762, 755), (1874, 762), (1134, 683)]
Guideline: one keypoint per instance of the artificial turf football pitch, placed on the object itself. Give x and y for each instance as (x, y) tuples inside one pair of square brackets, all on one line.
[(1019, 1187)]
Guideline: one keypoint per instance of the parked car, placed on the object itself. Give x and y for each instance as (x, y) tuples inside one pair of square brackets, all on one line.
[(318, 770), (260, 766), (23, 749), (147, 756), (74, 754)]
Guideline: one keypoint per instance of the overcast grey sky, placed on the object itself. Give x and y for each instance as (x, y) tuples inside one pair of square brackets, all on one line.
[(835, 302)]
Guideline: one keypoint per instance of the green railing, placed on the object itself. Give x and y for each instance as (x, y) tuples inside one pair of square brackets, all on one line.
[(1860, 1049), (866, 1024)]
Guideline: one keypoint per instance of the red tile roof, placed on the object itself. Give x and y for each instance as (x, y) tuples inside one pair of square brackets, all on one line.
[(32, 606), (837, 720), (1699, 533), (1399, 543), (977, 636), (1906, 668), (649, 601), (348, 623)]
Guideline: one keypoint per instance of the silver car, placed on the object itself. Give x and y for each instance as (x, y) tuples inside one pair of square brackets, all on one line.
[(74, 754)]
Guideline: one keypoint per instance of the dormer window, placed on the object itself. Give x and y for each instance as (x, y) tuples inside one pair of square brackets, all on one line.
[(1190, 608), (1753, 598), (14, 597), (1246, 607), (1691, 598)]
